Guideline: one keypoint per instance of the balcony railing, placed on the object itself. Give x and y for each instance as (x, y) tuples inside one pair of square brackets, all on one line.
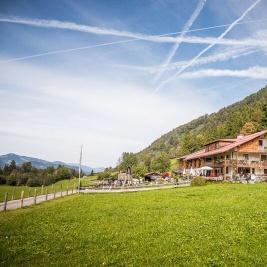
[(240, 163), (216, 163), (247, 163)]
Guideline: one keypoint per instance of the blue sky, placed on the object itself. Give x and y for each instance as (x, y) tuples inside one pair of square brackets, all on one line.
[(122, 85)]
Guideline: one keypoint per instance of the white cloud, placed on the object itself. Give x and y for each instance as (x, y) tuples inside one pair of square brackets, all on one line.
[(58, 111), (253, 72), (50, 106)]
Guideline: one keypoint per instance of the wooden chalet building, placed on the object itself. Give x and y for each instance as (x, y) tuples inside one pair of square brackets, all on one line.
[(245, 155)]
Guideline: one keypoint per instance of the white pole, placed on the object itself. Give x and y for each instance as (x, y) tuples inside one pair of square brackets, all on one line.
[(80, 167)]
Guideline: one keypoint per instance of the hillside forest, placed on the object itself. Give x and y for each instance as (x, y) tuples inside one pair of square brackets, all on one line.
[(247, 116)]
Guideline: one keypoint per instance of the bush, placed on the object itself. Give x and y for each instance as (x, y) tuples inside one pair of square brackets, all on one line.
[(2, 179), (11, 180), (103, 175), (34, 182), (198, 181), (62, 173), (48, 179), (22, 179)]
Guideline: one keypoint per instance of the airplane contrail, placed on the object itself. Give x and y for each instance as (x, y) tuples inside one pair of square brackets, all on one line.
[(185, 29), (65, 51), (232, 25), (222, 56), (250, 42), (253, 72), (162, 38)]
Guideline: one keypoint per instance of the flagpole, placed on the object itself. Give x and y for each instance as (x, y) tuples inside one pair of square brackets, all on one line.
[(80, 167)]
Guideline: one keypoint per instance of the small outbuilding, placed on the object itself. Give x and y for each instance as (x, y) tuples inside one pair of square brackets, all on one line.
[(152, 176)]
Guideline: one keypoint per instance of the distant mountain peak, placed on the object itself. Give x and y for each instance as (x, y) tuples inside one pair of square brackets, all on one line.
[(42, 164)]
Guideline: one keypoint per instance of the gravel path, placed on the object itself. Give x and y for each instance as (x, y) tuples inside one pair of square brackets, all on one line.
[(15, 204), (125, 190)]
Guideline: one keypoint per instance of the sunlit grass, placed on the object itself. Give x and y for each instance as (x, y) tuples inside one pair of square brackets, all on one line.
[(214, 225)]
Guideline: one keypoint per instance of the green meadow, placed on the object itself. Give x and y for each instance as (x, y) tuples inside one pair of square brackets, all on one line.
[(15, 191), (213, 225)]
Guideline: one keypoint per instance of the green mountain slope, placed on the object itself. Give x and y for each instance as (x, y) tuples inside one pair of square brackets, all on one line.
[(248, 115)]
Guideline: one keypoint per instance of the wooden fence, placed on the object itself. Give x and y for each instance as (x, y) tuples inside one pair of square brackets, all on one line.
[(36, 198)]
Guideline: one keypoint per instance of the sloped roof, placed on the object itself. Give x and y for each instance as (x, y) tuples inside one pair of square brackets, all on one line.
[(230, 140), (239, 141)]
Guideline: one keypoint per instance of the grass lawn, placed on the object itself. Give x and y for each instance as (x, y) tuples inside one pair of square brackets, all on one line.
[(214, 225), (29, 191)]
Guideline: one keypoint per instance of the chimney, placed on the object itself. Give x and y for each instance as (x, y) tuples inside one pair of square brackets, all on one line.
[(240, 136)]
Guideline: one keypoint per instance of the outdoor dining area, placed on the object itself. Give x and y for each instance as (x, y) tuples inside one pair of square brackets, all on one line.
[(215, 174), (207, 172)]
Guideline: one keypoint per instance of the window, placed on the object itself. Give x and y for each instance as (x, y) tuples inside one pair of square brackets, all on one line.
[(263, 157), (227, 170), (246, 157), (208, 159), (260, 142), (265, 171)]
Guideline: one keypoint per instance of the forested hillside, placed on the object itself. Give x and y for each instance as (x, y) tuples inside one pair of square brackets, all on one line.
[(246, 116)]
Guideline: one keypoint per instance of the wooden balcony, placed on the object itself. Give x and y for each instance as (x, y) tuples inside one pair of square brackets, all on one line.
[(246, 163), (215, 164), (234, 163)]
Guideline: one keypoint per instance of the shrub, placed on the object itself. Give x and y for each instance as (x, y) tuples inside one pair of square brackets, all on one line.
[(12, 178), (62, 173), (22, 179), (198, 181), (2, 179), (48, 179), (34, 181), (103, 175)]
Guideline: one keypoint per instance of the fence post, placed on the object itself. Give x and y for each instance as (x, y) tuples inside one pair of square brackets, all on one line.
[(54, 192), (35, 193), (21, 198), (61, 190), (13, 193), (67, 189), (5, 202), (46, 194), (42, 189)]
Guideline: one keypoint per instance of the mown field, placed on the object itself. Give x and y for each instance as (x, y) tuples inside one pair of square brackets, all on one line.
[(214, 225), (15, 191)]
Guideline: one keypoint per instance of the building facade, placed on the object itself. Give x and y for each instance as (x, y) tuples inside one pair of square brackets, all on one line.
[(229, 158)]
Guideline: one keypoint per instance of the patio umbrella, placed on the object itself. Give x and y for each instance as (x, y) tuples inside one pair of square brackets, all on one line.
[(206, 168)]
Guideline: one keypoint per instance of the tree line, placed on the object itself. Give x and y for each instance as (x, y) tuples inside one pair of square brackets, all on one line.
[(26, 174), (139, 167)]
